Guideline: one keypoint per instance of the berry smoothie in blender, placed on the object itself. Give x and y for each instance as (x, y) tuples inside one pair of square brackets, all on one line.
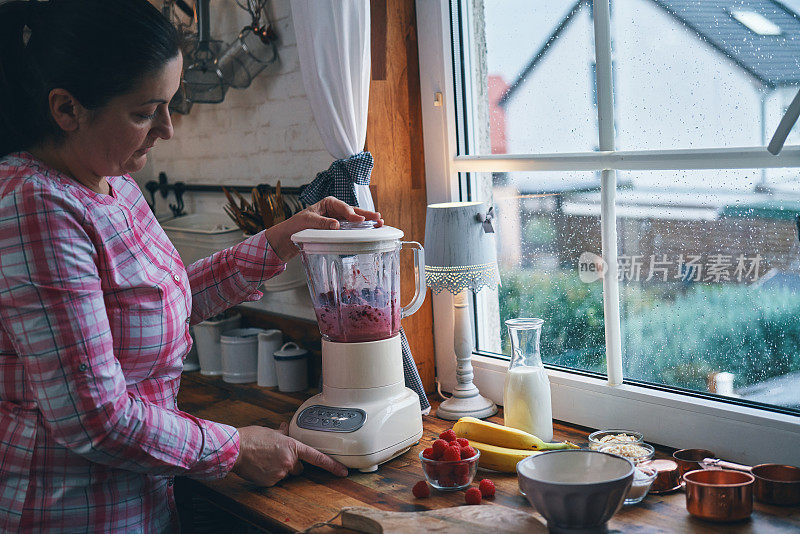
[(365, 315), (354, 281)]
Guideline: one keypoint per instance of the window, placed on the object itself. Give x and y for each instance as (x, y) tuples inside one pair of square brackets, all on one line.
[(707, 284), (701, 74), (661, 154), (538, 248)]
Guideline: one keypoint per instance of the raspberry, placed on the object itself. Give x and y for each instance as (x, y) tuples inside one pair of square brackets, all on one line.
[(438, 448), (428, 453), (487, 488), (444, 469), (473, 496), (461, 473), (461, 469), (431, 470), (462, 442), (448, 435), (421, 490), (467, 452), (446, 480), (452, 454)]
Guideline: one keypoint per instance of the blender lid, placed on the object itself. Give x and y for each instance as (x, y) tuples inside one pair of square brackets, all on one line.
[(363, 232)]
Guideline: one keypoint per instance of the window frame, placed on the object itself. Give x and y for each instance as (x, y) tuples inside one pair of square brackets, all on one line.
[(745, 433)]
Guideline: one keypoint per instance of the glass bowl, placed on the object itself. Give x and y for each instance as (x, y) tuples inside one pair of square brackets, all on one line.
[(643, 477), (596, 443), (450, 475), (635, 452)]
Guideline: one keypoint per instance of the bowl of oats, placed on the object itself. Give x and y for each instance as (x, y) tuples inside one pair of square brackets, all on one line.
[(601, 438), (635, 452)]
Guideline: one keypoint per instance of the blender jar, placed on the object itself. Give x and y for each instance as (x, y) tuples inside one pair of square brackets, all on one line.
[(354, 279)]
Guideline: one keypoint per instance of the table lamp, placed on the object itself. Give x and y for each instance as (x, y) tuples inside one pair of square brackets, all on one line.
[(460, 255)]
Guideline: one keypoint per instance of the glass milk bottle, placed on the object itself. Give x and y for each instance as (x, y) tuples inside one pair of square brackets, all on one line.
[(526, 397)]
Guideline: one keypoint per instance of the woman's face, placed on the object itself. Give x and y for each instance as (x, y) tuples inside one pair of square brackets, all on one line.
[(115, 139)]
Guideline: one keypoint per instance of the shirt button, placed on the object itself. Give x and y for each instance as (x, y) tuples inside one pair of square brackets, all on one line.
[(82, 367), (188, 319), (176, 277)]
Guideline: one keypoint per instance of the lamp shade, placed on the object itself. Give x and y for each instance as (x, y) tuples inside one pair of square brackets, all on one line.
[(459, 252)]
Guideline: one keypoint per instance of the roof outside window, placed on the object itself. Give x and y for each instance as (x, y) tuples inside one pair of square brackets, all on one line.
[(756, 22)]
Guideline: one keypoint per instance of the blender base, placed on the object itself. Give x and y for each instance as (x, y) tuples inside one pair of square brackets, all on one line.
[(365, 415), (392, 425)]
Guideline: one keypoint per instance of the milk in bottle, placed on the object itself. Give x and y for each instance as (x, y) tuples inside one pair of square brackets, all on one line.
[(526, 396)]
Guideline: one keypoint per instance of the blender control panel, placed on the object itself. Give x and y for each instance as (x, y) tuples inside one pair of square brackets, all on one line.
[(331, 419)]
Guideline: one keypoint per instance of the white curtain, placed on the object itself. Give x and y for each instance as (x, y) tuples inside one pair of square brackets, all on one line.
[(333, 42)]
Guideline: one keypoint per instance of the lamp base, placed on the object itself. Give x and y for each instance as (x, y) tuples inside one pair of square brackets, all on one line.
[(476, 406)]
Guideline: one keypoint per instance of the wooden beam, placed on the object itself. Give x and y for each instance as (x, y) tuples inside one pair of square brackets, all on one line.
[(394, 137), (378, 25)]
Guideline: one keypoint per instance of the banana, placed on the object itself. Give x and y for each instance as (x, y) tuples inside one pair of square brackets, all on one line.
[(503, 436), (500, 458)]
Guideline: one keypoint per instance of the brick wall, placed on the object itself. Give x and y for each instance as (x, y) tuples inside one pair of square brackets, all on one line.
[(257, 135)]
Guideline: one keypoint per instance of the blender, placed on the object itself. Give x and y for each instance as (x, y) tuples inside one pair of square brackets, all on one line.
[(364, 415)]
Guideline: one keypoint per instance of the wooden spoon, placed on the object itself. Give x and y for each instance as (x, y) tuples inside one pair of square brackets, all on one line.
[(279, 210)]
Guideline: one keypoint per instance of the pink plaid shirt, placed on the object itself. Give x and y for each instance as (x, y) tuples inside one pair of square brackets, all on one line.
[(95, 308)]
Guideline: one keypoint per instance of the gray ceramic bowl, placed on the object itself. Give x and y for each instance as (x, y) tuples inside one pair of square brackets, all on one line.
[(577, 491)]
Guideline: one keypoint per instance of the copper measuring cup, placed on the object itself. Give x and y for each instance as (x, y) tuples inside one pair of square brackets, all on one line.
[(719, 495), (775, 483), (690, 459)]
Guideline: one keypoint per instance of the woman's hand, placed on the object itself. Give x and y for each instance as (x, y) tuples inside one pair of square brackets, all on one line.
[(266, 456), (323, 215)]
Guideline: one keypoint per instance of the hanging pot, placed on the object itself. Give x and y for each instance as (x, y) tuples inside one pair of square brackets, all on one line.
[(180, 102), (247, 56)]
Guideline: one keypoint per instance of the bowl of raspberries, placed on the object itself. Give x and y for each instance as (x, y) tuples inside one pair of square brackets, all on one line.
[(449, 463)]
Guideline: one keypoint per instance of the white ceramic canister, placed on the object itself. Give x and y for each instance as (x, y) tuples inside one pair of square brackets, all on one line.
[(291, 364), (191, 361), (240, 355), (268, 342), (209, 351)]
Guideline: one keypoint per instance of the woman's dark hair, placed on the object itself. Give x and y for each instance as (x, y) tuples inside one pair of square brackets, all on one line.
[(95, 49)]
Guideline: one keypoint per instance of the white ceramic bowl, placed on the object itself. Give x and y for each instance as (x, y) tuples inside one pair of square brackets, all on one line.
[(575, 490)]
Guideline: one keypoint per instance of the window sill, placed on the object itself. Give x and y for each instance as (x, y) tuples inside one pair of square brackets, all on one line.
[(733, 432)]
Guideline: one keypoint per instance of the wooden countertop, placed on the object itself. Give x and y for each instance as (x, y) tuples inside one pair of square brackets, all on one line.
[(316, 496)]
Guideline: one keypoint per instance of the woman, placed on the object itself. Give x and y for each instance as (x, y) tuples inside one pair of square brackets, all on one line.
[(95, 304)]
